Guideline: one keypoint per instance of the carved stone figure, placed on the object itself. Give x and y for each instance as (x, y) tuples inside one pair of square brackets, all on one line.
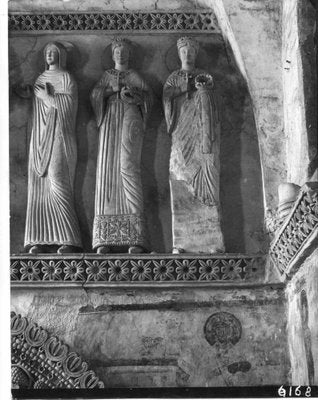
[(193, 123), (51, 217), (121, 101)]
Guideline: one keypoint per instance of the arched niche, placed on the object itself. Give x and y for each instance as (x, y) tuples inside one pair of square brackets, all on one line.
[(241, 171)]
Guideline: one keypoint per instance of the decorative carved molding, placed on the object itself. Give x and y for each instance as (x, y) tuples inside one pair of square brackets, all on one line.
[(40, 360), (222, 328), (119, 21), (142, 269), (297, 231)]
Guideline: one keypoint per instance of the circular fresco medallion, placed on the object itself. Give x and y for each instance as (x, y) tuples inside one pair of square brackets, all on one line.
[(223, 328)]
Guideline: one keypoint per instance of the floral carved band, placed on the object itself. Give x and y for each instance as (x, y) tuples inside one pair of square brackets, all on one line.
[(89, 269), (204, 21)]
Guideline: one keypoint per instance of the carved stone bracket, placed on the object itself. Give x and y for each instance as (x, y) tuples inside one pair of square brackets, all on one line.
[(40, 360), (118, 21), (298, 234), (88, 269)]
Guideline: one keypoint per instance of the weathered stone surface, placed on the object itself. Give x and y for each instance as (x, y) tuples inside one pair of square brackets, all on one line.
[(253, 29), (192, 117), (302, 297), (240, 188), (300, 89), (100, 6), (143, 338)]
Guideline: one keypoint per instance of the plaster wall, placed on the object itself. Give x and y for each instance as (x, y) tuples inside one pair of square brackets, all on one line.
[(254, 31), (155, 337), (302, 323), (155, 58), (299, 81)]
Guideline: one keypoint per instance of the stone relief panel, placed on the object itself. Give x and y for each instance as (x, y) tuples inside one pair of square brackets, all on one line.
[(41, 361), (156, 57), (121, 101), (193, 123), (51, 218)]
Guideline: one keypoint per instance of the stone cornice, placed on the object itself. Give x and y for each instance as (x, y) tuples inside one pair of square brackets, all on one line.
[(77, 22), (144, 270), (298, 235)]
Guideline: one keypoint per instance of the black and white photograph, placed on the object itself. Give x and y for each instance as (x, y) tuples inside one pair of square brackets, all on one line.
[(163, 198)]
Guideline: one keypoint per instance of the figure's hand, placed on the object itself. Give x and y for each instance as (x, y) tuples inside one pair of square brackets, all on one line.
[(131, 95), (116, 87), (43, 93)]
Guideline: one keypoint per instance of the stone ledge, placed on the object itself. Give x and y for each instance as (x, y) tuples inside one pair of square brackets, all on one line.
[(298, 236), (144, 270), (116, 21)]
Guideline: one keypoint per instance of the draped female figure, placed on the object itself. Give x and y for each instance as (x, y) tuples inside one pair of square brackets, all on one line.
[(51, 218), (193, 122), (121, 101)]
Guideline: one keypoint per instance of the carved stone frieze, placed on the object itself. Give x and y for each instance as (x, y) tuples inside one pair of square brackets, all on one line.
[(140, 21), (298, 229), (148, 268), (40, 360), (222, 328)]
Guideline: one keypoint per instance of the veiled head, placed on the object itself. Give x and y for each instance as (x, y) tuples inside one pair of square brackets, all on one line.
[(121, 50), (187, 49), (55, 54)]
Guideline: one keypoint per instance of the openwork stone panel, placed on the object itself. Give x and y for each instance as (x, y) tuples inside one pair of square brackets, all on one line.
[(40, 360), (177, 21), (87, 269), (298, 230)]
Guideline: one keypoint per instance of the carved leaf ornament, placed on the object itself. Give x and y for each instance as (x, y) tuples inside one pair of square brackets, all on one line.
[(177, 21), (297, 229), (132, 269), (40, 360)]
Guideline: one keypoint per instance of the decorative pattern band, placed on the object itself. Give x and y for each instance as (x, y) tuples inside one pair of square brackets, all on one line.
[(40, 360), (119, 230), (297, 230), (133, 269), (177, 21)]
